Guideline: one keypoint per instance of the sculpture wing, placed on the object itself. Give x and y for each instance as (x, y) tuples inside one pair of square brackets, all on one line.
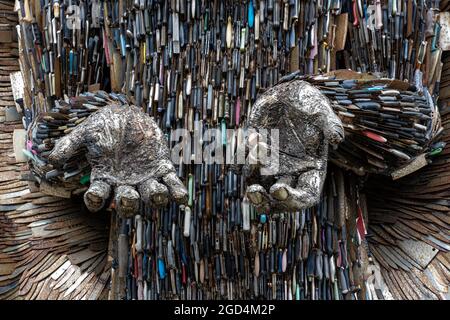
[(410, 225), (49, 249)]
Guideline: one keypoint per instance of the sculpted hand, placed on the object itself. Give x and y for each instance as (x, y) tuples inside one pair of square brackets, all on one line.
[(128, 155), (293, 177)]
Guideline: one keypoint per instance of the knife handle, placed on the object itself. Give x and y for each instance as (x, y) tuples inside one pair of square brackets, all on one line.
[(374, 136), (378, 15), (56, 9), (355, 14), (397, 27), (429, 23), (437, 31)]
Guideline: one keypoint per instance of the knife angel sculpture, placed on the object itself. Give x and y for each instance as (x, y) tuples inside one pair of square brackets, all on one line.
[(55, 251)]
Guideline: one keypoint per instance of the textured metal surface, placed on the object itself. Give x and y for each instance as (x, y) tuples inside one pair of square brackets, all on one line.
[(419, 251), (306, 124), (126, 151)]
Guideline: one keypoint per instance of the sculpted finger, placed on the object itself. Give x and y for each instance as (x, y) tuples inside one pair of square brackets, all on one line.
[(67, 146), (127, 201), (154, 193), (258, 196), (177, 190), (333, 130), (96, 196), (335, 134), (305, 194), (289, 198), (282, 189)]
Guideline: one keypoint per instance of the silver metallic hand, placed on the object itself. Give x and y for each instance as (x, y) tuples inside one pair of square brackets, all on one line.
[(307, 125), (128, 153)]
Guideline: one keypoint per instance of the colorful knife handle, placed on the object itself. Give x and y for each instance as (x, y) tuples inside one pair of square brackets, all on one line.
[(435, 152), (435, 40), (374, 136), (355, 13), (71, 62), (251, 14), (161, 268)]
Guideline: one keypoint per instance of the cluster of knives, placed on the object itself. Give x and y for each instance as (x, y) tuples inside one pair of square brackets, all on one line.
[(316, 254), (409, 221), (71, 177), (190, 60), (387, 122), (157, 50)]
